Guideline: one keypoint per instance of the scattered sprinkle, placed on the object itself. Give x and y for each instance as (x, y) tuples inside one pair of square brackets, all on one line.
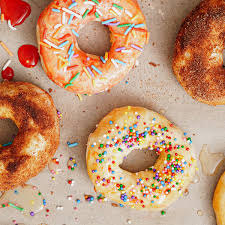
[(71, 145), (89, 198), (6, 48), (6, 64), (10, 25), (71, 182), (16, 207)]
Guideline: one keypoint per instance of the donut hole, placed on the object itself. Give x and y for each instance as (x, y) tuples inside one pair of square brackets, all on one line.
[(139, 160), (8, 131), (94, 38)]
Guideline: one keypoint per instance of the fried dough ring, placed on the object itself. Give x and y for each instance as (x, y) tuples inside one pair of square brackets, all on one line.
[(198, 57), (129, 128), (34, 113)]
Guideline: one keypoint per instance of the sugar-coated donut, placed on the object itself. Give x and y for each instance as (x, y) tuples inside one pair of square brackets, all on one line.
[(129, 128), (33, 111), (79, 72), (219, 201), (198, 58)]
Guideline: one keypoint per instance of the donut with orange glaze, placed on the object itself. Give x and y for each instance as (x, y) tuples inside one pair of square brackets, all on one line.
[(76, 71)]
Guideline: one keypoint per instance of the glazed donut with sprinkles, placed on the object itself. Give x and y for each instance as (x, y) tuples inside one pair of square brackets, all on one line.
[(135, 128), (76, 71)]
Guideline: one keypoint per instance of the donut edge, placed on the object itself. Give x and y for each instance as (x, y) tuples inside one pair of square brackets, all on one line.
[(218, 197)]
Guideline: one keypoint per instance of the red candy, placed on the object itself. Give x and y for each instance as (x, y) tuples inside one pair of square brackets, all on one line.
[(28, 56), (15, 10), (8, 74)]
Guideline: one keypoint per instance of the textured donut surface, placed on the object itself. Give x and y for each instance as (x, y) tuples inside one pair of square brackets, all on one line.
[(79, 72), (129, 128), (33, 111), (198, 58), (219, 201)]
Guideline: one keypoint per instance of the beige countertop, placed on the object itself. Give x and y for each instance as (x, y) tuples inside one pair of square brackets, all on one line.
[(152, 87)]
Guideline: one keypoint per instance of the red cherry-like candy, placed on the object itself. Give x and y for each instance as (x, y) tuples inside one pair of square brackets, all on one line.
[(28, 56), (8, 74), (15, 10)]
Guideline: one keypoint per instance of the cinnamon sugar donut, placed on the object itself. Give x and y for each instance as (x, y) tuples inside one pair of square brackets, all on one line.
[(129, 128), (34, 113), (198, 58), (219, 201), (76, 71)]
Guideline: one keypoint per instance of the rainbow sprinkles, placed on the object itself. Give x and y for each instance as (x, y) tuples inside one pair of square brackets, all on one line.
[(73, 69), (129, 128)]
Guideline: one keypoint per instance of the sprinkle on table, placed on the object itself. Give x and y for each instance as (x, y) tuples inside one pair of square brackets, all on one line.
[(11, 26), (16, 207), (71, 164), (63, 44), (7, 64), (71, 145), (80, 97), (89, 198), (6, 48), (71, 182)]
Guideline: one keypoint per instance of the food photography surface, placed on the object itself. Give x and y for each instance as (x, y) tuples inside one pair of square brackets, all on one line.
[(112, 112)]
